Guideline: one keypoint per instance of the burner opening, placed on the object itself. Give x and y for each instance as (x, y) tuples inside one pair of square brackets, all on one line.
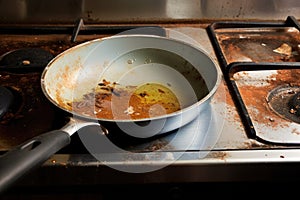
[(25, 58), (285, 102)]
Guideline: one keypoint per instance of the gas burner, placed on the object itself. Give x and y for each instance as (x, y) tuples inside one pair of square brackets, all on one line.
[(30, 112), (25, 59), (285, 102)]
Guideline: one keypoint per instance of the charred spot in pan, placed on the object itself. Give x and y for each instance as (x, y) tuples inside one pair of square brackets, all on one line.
[(160, 90), (143, 94), (109, 87), (115, 93), (106, 88)]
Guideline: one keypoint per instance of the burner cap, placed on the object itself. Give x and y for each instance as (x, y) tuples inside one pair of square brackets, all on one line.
[(285, 102), (25, 58)]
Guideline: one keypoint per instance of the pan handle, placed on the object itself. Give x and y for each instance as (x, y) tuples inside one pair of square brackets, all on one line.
[(20, 160)]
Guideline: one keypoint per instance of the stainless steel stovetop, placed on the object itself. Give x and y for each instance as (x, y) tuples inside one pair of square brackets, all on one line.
[(214, 147)]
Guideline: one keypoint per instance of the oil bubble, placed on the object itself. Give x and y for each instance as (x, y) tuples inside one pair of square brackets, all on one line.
[(130, 61)]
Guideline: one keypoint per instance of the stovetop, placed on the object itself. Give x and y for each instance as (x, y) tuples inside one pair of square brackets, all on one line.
[(219, 137)]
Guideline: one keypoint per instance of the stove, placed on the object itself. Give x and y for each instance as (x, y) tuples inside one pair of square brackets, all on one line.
[(250, 131)]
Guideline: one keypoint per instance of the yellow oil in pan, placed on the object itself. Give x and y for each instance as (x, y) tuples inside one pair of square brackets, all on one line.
[(154, 99)]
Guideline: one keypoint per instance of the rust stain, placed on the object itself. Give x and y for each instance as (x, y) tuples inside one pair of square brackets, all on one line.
[(218, 155), (255, 97), (262, 46), (259, 45), (252, 144), (291, 77)]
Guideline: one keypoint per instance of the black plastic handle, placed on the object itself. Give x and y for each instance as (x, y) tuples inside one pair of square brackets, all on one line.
[(32, 153)]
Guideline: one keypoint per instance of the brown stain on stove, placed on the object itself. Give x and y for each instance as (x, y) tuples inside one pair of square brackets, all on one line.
[(256, 97), (54, 43), (217, 155), (160, 145), (252, 144), (257, 45), (291, 76)]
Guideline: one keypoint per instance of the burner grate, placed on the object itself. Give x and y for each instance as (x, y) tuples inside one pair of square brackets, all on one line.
[(239, 100), (232, 68), (252, 29)]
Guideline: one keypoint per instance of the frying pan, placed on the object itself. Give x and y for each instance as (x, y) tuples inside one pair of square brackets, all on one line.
[(128, 60)]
